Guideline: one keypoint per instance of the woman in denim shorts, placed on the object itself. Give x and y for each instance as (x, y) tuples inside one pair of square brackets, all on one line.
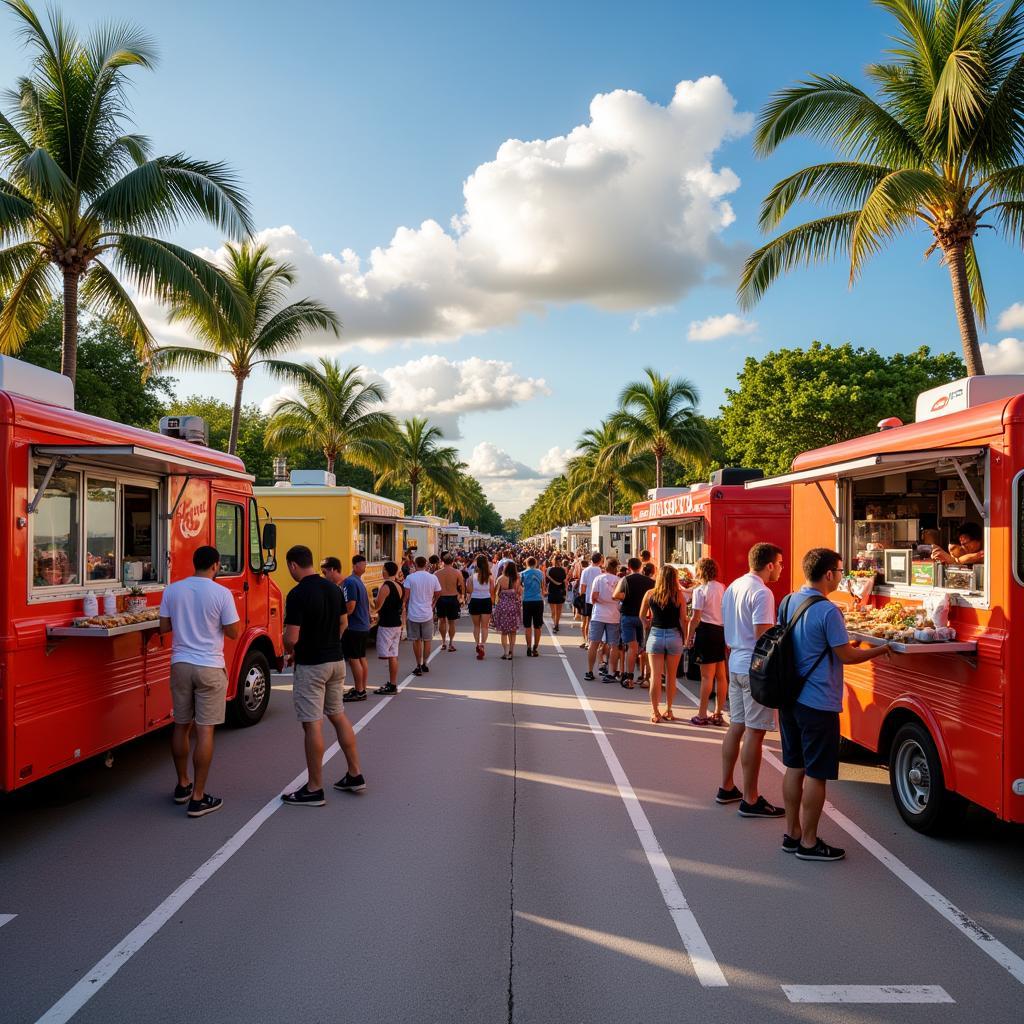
[(664, 610)]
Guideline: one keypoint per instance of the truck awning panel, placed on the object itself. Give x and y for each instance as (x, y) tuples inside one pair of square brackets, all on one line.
[(146, 460)]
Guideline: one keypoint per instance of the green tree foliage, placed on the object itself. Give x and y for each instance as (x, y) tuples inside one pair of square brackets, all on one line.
[(794, 400), (940, 145), (510, 528), (111, 381)]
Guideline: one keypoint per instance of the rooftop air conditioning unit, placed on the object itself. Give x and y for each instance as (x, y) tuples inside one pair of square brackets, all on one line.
[(735, 475), (21, 378), (189, 428), (312, 478)]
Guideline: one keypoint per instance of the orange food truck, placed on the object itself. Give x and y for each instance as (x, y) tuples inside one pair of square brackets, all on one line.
[(947, 712), (719, 520), (95, 518)]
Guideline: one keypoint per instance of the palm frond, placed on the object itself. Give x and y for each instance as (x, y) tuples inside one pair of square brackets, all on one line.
[(102, 293), (977, 285), (27, 302), (845, 183), (186, 357), (288, 325)]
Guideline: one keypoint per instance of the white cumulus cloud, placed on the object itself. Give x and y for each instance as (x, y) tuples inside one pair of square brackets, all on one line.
[(624, 212), (715, 327), (1007, 356), (489, 462), (554, 460), (1011, 318)]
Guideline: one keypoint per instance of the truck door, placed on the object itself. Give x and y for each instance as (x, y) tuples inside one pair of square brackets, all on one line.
[(231, 540), (258, 596)]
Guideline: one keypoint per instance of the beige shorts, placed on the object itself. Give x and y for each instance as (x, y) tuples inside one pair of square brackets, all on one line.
[(743, 709), (198, 693), (388, 638), (317, 691)]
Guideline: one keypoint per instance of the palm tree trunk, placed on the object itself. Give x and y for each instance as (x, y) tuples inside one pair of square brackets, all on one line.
[(611, 499), (414, 493), (658, 459), (236, 416), (955, 254), (69, 340), (330, 461)]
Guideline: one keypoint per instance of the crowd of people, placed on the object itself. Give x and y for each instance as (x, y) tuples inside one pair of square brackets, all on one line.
[(641, 626)]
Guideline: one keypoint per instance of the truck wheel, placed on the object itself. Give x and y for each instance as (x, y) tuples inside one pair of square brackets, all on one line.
[(253, 694), (918, 785)]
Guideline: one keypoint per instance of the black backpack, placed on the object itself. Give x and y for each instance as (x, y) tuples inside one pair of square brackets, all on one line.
[(773, 677)]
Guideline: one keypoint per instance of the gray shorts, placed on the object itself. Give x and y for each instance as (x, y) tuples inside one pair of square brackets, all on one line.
[(387, 641), (420, 630), (317, 691), (198, 693), (743, 709)]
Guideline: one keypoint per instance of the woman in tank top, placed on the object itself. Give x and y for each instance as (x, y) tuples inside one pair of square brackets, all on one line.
[(481, 602), (706, 639), (663, 609)]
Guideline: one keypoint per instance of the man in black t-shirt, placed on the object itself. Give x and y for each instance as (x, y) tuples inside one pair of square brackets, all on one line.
[(313, 613), (630, 591)]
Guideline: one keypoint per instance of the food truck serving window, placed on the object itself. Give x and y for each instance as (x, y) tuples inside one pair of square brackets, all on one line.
[(377, 540), (92, 529), (684, 542)]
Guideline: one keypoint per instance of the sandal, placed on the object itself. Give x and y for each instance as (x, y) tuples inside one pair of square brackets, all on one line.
[(451, 647), (717, 719), (645, 684), (668, 716), (655, 718), (700, 720)]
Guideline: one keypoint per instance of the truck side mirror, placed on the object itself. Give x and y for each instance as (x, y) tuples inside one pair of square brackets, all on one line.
[(269, 536)]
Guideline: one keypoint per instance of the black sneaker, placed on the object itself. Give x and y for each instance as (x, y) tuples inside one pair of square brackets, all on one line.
[(304, 797), (819, 851), (387, 688), (207, 805), (760, 808), (588, 676), (354, 695), (417, 671), (425, 667), (728, 796), (182, 793), (351, 783), (604, 668), (789, 844)]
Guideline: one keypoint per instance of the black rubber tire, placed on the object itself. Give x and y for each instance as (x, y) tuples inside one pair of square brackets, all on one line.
[(936, 812), (251, 701)]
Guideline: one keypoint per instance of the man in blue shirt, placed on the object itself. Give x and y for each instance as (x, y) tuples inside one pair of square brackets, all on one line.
[(533, 605), (353, 640), (810, 727)]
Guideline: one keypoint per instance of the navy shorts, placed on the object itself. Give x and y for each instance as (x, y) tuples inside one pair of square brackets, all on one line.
[(810, 740), (588, 610), (632, 629), (533, 614)]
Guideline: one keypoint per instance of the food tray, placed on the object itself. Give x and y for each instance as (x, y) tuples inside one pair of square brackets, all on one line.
[(103, 631), (936, 647)]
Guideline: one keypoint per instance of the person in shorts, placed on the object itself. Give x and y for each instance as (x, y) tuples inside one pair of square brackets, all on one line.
[(604, 624), (201, 613), (422, 590), (357, 633), (706, 640), (330, 569), (389, 625), (587, 577), (449, 603), (748, 610), (534, 586), (810, 726), (630, 591), (312, 642)]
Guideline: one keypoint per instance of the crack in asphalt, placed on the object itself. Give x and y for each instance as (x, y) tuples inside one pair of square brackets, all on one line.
[(512, 852)]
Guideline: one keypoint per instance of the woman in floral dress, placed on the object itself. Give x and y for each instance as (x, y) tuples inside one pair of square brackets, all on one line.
[(508, 609)]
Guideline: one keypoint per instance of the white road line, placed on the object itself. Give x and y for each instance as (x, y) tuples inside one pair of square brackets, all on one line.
[(705, 965), (6, 919), (867, 994), (85, 988), (983, 939)]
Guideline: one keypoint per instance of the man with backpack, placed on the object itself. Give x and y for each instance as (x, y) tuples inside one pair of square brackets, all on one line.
[(810, 723), (748, 611)]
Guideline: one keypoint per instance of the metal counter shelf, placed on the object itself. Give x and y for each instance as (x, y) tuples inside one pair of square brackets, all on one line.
[(917, 647), (102, 631)]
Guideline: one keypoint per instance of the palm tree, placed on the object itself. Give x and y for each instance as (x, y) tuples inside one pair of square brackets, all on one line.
[(266, 330), (941, 144), (658, 416), (602, 471), (418, 460), (336, 411), (81, 197)]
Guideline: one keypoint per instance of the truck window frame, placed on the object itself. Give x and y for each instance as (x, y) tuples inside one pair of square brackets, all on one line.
[(241, 534), (84, 470)]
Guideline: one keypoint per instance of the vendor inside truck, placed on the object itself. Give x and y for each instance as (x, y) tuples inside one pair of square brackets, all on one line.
[(969, 551)]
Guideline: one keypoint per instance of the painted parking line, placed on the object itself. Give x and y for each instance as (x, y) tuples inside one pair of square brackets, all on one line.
[(6, 919), (705, 966), (867, 994), (86, 987), (984, 940)]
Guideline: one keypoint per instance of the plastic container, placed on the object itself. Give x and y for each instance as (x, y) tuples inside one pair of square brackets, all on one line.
[(90, 606), (110, 603)]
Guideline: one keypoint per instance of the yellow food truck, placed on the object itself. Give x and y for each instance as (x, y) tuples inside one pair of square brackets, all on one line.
[(331, 520), (422, 534)]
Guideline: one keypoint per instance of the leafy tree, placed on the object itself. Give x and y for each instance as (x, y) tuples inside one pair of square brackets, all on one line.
[(604, 475), (657, 416), (416, 457), (337, 412), (111, 381), (510, 528), (794, 400), (265, 330), (941, 144), (81, 197)]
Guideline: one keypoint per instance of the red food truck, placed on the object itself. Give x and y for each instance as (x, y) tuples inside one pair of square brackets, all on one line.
[(94, 510), (947, 712), (719, 520)]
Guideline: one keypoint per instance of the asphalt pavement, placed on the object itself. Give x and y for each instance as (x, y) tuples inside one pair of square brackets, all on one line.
[(530, 848)]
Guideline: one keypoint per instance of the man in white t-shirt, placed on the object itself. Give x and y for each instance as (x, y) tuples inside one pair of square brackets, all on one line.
[(604, 622), (587, 577), (748, 610), (422, 590), (201, 613)]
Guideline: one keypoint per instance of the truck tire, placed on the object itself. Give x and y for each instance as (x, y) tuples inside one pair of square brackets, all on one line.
[(253, 696), (917, 782)]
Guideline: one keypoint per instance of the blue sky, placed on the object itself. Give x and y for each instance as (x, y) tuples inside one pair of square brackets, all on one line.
[(348, 121)]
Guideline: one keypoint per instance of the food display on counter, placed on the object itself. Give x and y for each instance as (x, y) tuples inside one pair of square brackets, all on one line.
[(898, 624), (113, 621)]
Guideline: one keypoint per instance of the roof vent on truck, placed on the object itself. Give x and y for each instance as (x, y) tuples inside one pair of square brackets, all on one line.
[(735, 475), (30, 381), (188, 428), (966, 394)]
